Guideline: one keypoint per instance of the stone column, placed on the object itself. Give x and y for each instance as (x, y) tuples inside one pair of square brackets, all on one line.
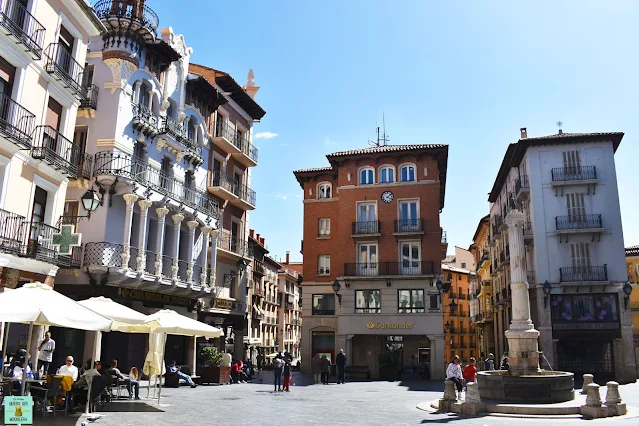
[(523, 349), (142, 234), (177, 223), (588, 379), (214, 236), (192, 224), (159, 245), (128, 222), (206, 235), (136, 91), (150, 100)]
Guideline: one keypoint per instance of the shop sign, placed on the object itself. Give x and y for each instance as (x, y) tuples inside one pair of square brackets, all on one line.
[(585, 326), (405, 325), (66, 239), (323, 333), (148, 296), (18, 410), (222, 304)]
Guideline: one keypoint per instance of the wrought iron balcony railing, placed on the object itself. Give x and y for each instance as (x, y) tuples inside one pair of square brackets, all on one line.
[(173, 129), (583, 273), (224, 130), (144, 120), (16, 122), (136, 11), (61, 64), (90, 98), (247, 147), (578, 222), (123, 165), (426, 267), (228, 242), (59, 152), (563, 174), (258, 267), (521, 183), (227, 182), (20, 24), (527, 228), (409, 225), (366, 228), (444, 238)]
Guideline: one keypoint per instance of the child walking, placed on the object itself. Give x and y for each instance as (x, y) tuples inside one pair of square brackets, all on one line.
[(288, 372)]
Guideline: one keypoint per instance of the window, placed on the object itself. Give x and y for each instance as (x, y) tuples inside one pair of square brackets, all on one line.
[(324, 227), (407, 173), (572, 160), (463, 265), (386, 174), (367, 301), (409, 216), (38, 212), (324, 191), (580, 255), (323, 304), (166, 172), (409, 252), (367, 176), (433, 302), (410, 301), (367, 259), (323, 264), (576, 207)]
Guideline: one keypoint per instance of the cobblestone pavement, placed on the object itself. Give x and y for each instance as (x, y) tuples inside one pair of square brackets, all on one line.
[(358, 403)]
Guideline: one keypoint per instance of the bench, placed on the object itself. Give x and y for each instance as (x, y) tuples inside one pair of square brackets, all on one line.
[(357, 371), (173, 380)]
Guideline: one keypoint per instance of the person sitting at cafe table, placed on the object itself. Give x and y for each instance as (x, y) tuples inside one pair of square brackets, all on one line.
[(134, 382), (68, 369), (19, 367), (80, 388)]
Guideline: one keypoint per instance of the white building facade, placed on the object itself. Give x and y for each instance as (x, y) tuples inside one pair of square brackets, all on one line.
[(566, 185)]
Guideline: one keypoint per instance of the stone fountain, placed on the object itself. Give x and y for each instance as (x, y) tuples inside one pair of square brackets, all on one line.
[(525, 382)]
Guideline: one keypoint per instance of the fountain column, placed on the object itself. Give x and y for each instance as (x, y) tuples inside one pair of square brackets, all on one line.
[(523, 352)]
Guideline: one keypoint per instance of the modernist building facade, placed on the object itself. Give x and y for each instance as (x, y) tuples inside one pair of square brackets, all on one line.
[(372, 255), (566, 185), (42, 46), (172, 173), (481, 307), (290, 279)]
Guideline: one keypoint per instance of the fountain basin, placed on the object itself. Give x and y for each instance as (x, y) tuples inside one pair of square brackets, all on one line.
[(543, 387)]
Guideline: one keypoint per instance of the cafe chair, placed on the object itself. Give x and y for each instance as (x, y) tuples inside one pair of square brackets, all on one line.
[(47, 395), (98, 389), (119, 384)]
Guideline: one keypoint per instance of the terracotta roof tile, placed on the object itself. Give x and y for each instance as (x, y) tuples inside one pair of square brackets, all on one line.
[(383, 149), (632, 251), (315, 169)]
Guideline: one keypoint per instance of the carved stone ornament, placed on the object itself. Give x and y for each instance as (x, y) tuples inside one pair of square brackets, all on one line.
[(121, 70), (160, 144)]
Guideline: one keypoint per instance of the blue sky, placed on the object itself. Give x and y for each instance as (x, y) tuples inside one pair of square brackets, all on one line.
[(467, 74)]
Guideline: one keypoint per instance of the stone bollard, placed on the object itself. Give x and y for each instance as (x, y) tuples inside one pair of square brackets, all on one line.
[(613, 400), (449, 398), (588, 379), (472, 393), (472, 405), (592, 395)]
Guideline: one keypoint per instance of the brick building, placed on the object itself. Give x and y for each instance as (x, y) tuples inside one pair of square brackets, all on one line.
[(373, 247)]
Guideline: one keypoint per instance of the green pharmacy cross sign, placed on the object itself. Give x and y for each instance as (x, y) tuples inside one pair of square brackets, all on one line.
[(66, 239)]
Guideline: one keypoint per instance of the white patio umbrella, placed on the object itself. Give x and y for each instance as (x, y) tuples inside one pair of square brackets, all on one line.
[(124, 319), (40, 304), (153, 365), (170, 322)]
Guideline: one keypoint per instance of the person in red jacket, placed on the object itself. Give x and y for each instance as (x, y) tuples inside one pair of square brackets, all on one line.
[(234, 373), (470, 371)]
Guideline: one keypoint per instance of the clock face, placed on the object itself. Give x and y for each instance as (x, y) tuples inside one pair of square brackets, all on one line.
[(387, 196)]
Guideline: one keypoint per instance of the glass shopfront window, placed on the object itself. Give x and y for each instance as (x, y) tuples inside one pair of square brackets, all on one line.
[(323, 304), (410, 301), (323, 343), (367, 301), (584, 311)]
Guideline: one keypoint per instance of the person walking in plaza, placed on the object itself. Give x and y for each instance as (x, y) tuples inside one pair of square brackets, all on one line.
[(489, 364), (316, 368), (45, 356), (325, 368), (340, 361), (454, 373), (287, 372), (505, 365), (470, 371), (278, 366), (260, 360)]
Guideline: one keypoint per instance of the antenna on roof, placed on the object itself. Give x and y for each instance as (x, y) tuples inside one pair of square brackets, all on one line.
[(383, 139), (559, 126)]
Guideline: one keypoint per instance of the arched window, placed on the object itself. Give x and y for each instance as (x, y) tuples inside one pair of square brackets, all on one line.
[(407, 173), (192, 130), (367, 176), (324, 191), (386, 174), (143, 98)]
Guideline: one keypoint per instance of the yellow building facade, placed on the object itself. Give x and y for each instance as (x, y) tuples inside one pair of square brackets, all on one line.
[(481, 314), (632, 263), (460, 334)]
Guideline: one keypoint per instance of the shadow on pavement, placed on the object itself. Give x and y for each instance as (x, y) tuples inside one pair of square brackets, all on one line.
[(448, 419), (267, 378), (59, 420), (423, 385), (128, 407)]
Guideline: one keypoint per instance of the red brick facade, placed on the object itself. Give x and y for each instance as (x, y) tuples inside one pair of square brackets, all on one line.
[(341, 209)]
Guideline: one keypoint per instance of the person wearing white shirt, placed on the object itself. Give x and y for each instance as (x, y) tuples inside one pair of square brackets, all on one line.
[(69, 369), (46, 348), (454, 373), (17, 370)]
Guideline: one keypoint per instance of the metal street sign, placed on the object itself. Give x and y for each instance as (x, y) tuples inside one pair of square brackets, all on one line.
[(18, 410), (66, 239)]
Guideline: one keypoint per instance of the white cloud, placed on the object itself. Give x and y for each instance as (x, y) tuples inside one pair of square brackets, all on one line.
[(265, 135), (281, 197), (328, 141)]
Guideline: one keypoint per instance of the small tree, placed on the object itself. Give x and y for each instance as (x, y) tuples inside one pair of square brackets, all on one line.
[(211, 356)]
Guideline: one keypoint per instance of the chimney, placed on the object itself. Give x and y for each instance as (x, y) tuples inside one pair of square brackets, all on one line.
[(288, 257), (252, 233), (561, 131), (257, 237), (250, 86), (262, 241), (524, 133)]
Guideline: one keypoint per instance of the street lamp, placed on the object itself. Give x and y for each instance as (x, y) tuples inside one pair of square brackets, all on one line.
[(90, 202), (336, 287), (627, 289), (547, 288)]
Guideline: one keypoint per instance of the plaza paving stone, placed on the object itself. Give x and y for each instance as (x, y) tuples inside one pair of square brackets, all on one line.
[(357, 403)]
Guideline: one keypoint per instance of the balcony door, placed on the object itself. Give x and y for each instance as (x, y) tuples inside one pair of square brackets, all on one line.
[(235, 234), (7, 72), (367, 259), (576, 207), (410, 256), (65, 50), (580, 255), (408, 216), (52, 121), (38, 211), (366, 218), (572, 161)]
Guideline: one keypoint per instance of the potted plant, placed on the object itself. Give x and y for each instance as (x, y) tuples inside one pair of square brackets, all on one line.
[(388, 365), (210, 369)]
